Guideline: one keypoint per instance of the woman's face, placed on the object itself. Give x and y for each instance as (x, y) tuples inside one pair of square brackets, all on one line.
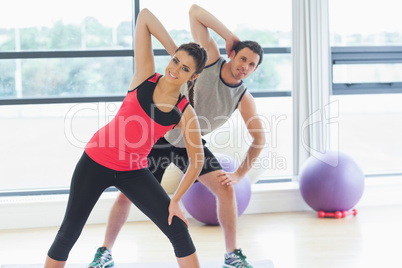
[(181, 68)]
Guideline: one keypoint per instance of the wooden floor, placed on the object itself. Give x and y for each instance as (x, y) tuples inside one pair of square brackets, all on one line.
[(371, 239)]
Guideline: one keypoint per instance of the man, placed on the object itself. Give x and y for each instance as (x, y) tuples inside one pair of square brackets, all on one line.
[(218, 92)]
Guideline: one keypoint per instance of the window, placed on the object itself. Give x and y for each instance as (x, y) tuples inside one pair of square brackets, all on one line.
[(41, 144), (64, 71), (270, 26), (50, 59), (366, 52), (367, 58), (369, 127), (364, 23), (268, 23), (368, 69), (70, 49)]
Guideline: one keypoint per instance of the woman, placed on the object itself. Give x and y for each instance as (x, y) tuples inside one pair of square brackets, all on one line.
[(117, 154)]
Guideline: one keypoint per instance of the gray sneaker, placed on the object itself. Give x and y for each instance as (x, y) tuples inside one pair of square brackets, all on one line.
[(103, 259), (236, 259)]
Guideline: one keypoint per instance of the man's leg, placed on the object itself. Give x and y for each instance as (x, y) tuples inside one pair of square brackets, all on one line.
[(117, 217), (226, 206)]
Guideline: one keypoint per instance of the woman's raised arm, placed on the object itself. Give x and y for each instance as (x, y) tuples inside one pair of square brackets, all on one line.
[(148, 25)]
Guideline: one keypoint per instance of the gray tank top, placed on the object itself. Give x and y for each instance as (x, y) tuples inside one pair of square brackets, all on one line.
[(214, 101)]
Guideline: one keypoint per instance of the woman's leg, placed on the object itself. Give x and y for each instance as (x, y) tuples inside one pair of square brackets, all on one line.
[(148, 195), (189, 261), (158, 160), (51, 263), (88, 182)]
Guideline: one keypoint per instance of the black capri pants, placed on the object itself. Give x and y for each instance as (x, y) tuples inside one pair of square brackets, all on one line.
[(91, 179)]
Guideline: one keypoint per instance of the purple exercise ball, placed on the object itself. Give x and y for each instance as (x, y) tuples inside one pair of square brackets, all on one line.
[(332, 183), (200, 202)]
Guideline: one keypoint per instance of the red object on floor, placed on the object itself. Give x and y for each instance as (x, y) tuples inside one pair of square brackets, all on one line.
[(336, 214)]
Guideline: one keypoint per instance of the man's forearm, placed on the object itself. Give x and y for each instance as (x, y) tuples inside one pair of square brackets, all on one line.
[(251, 156), (208, 20)]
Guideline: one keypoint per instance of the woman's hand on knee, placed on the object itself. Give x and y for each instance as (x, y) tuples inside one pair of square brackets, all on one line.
[(175, 210)]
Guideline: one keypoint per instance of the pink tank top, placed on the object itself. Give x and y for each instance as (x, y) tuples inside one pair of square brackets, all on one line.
[(125, 142)]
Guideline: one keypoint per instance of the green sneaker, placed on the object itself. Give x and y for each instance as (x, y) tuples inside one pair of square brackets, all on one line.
[(103, 259), (236, 259)]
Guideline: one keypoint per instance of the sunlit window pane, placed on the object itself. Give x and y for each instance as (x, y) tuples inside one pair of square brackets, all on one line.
[(41, 144), (269, 22), (66, 77), (367, 73), (7, 78), (369, 128), (74, 24), (274, 74), (365, 23), (271, 27)]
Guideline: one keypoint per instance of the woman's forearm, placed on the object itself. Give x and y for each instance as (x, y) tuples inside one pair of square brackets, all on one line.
[(190, 176), (156, 29)]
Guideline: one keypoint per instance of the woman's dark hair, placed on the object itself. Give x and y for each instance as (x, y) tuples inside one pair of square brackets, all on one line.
[(198, 53), (200, 57)]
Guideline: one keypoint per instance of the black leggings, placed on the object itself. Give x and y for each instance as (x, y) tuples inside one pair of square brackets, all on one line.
[(88, 183)]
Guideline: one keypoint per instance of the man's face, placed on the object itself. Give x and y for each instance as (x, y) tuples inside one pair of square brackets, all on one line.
[(244, 63)]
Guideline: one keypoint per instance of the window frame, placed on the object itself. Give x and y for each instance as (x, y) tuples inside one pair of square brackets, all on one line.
[(365, 55), (106, 53), (339, 55)]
